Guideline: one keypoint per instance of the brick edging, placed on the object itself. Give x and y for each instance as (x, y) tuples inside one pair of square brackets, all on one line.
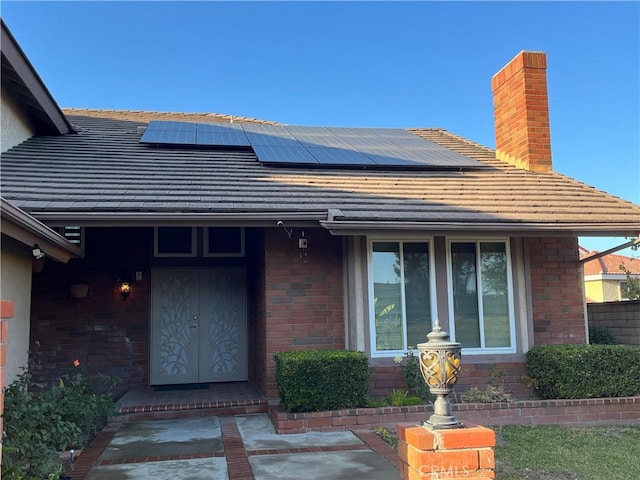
[(90, 455), (533, 412)]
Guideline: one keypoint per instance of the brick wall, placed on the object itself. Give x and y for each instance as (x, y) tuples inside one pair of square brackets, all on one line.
[(621, 318), (104, 332), (303, 302), (591, 411), (557, 290)]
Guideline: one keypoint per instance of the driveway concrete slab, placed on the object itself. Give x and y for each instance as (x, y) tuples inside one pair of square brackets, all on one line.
[(196, 469), (161, 438), (354, 465), (258, 433)]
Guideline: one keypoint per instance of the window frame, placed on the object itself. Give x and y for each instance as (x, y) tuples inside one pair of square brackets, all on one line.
[(194, 244), (433, 301), (510, 296), (205, 244)]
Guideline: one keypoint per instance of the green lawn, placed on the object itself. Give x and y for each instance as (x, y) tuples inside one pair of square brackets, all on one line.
[(553, 452)]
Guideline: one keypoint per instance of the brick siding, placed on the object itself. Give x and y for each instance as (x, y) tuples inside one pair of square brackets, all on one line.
[(104, 332), (303, 296), (557, 290)]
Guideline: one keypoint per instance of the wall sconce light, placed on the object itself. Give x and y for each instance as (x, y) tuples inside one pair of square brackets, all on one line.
[(124, 287)]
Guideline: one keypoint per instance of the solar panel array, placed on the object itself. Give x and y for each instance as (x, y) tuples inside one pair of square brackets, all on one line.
[(314, 146)]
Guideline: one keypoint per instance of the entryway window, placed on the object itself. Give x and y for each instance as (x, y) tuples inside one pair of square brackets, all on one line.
[(199, 241), (175, 242), (400, 286), (223, 242), (481, 296)]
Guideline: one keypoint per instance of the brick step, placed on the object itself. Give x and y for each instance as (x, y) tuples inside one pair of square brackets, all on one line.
[(197, 409)]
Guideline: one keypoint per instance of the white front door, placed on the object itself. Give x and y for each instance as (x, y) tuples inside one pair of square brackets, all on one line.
[(198, 325)]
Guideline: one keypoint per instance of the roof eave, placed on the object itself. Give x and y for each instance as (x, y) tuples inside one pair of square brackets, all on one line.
[(21, 226), (150, 219), (355, 227)]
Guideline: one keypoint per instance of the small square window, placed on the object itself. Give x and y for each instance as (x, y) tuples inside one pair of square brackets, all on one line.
[(224, 242), (175, 242)]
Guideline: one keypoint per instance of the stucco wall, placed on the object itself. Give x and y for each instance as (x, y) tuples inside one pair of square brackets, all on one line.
[(15, 285), (15, 128)]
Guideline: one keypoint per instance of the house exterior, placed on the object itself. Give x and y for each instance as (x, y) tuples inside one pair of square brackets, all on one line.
[(605, 278), (230, 259), (27, 110)]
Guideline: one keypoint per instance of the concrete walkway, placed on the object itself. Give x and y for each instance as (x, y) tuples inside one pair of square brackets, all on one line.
[(230, 448)]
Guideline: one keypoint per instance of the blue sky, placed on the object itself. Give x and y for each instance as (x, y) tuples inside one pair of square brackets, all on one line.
[(378, 64)]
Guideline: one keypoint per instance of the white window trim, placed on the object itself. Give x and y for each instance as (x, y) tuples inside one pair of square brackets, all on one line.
[(372, 311), (194, 244), (511, 303), (205, 245)]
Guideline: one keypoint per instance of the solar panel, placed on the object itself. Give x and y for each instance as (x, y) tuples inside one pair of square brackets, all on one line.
[(161, 125), (317, 146), (169, 137), (227, 139), (339, 156), (284, 155)]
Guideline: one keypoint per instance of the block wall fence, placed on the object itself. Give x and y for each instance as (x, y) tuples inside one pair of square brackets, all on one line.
[(621, 318)]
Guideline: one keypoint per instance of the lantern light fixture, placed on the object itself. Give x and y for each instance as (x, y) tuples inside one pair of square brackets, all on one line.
[(439, 361), (124, 287)]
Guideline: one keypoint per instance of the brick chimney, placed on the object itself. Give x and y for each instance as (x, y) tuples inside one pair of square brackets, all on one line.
[(521, 110)]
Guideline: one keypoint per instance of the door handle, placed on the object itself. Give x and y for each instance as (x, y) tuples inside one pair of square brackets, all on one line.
[(195, 319), (195, 325)]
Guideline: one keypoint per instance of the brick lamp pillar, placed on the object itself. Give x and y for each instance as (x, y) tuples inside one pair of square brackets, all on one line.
[(443, 447), (428, 453)]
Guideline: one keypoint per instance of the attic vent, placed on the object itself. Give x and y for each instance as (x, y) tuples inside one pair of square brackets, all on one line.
[(73, 234)]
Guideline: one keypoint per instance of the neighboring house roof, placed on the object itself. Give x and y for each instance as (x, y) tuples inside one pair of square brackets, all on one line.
[(25, 86), (610, 264), (103, 174)]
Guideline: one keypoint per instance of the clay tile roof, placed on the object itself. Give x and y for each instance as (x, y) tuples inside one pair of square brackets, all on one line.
[(610, 264)]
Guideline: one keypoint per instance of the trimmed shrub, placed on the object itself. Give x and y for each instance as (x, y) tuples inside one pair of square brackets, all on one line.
[(584, 371), (601, 336), (315, 380)]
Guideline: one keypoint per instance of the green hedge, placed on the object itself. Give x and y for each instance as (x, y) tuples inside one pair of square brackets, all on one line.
[(601, 336), (584, 371), (315, 380)]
